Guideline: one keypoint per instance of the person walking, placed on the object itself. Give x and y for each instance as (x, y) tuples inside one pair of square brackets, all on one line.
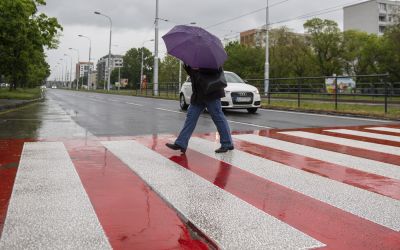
[(200, 100)]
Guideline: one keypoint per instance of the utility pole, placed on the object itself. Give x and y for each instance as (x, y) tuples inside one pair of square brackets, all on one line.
[(266, 73), (109, 50), (155, 75), (90, 51)]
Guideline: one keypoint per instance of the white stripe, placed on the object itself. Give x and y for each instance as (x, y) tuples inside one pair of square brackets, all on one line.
[(136, 104), (368, 205), (395, 130), (224, 218), (365, 134), (49, 208), (362, 164), (249, 124), (168, 110), (346, 142), (331, 116)]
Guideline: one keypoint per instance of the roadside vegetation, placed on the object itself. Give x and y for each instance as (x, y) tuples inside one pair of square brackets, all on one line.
[(25, 34), (21, 94)]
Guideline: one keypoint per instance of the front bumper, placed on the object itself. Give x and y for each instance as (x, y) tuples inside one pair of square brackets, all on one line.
[(241, 100)]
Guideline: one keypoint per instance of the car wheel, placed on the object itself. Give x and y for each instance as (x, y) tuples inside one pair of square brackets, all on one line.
[(182, 102), (252, 110)]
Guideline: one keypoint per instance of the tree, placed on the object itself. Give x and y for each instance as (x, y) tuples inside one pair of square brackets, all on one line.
[(169, 70), (360, 53), (23, 37), (290, 54), (132, 65), (390, 50), (246, 61), (325, 38)]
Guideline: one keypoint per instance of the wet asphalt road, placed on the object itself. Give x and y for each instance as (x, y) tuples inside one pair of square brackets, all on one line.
[(69, 113)]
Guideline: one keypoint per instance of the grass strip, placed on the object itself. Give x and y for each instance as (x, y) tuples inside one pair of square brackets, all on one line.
[(21, 94)]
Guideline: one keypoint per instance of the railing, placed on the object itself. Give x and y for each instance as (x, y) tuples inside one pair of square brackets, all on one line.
[(368, 89), (165, 89)]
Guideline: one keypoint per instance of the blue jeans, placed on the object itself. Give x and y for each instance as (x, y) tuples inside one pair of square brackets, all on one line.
[(218, 117)]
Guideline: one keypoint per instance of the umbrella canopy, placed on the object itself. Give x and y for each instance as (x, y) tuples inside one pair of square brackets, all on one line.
[(195, 47)]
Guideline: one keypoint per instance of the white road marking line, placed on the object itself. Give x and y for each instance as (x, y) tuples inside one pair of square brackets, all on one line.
[(346, 142), (332, 116), (365, 204), (395, 130), (224, 218), (136, 104), (249, 124), (49, 207), (168, 110), (365, 134)]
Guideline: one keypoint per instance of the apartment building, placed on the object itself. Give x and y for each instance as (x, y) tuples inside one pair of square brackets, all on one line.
[(372, 16), (117, 61)]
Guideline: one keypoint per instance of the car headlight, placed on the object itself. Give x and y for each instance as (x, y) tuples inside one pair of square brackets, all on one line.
[(256, 91)]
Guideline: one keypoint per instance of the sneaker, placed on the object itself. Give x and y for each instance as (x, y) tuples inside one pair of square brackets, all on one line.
[(174, 146), (223, 149)]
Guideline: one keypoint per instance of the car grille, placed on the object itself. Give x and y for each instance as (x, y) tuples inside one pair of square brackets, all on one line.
[(238, 97)]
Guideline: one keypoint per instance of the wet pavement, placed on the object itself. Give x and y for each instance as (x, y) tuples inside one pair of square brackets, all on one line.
[(294, 181)]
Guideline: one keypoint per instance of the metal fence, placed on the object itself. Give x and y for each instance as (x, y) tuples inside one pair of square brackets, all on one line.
[(369, 90)]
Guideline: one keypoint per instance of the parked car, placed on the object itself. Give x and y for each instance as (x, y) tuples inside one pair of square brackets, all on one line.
[(4, 85), (54, 87), (238, 94)]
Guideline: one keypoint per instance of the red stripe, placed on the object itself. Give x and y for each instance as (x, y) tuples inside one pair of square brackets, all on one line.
[(132, 215), (371, 182), (362, 138), (10, 154), (332, 226), (380, 131), (363, 153)]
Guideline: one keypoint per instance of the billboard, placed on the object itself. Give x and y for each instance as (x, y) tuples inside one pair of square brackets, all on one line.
[(346, 85)]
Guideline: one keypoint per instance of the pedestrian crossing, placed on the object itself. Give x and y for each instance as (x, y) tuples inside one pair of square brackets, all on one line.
[(279, 189)]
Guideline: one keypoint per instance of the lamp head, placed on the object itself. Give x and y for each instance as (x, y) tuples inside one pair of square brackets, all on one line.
[(97, 13)]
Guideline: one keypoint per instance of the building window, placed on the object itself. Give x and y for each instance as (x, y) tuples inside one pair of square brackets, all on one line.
[(382, 29), (382, 18), (382, 6)]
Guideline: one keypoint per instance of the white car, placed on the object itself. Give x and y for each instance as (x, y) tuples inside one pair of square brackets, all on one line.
[(238, 94)]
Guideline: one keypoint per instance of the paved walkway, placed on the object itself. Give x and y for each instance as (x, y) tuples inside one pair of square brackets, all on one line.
[(337, 188)]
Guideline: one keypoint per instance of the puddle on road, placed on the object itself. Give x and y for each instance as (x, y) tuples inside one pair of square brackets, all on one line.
[(42, 120)]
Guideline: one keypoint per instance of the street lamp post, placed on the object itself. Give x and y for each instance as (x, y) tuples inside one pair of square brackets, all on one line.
[(109, 50), (266, 70), (141, 64), (62, 71), (78, 76), (155, 74), (70, 71), (66, 71), (90, 51)]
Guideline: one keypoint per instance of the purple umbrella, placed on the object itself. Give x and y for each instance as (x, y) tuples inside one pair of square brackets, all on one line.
[(195, 47)]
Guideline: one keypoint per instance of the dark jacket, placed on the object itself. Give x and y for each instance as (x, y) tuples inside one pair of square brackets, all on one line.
[(199, 86)]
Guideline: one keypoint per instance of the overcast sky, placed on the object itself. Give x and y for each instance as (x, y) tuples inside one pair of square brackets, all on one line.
[(133, 21)]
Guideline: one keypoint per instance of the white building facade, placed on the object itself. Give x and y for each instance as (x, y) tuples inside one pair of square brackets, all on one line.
[(372, 16)]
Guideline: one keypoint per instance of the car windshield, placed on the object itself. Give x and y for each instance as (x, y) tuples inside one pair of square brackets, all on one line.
[(233, 78)]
